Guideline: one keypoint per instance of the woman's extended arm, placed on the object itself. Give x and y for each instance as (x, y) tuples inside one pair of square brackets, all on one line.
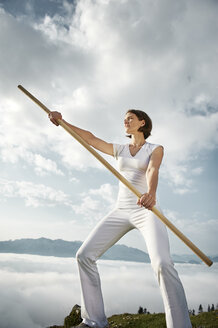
[(148, 199), (92, 140)]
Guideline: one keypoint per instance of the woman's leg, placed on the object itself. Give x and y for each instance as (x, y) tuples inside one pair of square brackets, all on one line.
[(106, 233), (156, 238)]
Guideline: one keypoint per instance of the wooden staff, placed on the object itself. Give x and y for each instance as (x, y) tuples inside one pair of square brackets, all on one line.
[(178, 233)]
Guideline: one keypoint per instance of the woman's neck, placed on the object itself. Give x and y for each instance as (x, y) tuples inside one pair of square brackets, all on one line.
[(137, 140)]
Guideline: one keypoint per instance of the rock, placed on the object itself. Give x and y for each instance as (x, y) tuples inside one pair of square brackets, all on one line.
[(74, 318)]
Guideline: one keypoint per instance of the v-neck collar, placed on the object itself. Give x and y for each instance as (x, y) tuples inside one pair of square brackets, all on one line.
[(128, 145)]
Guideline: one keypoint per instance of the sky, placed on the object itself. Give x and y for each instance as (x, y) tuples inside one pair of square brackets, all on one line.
[(40, 291), (93, 60)]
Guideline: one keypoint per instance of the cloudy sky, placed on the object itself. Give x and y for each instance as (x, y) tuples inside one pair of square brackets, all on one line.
[(92, 60)]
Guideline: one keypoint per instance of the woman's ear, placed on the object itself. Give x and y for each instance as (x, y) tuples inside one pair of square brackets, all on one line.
[(143, 123)]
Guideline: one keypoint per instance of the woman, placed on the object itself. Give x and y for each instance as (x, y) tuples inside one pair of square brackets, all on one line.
[(139, 162)]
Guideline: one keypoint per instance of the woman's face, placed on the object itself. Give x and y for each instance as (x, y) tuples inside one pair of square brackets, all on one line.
[(132, 123)]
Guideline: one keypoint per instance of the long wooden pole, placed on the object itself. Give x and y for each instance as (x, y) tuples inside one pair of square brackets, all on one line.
[(170, 225)]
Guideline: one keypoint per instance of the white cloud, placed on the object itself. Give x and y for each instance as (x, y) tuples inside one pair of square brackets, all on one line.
[(20, 140), (41, 165), (87, 205), (34, 195), (202, 232), (73, 155), (95, 203), (92, 205), (40, 291), (127, 50), (74, 180), (197, 170), (106, 191), (25, 294)]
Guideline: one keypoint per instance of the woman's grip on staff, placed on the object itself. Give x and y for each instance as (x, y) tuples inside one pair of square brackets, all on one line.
[(54, 117)]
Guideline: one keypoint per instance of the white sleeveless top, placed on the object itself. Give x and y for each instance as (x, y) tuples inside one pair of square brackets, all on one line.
[(133, 168)]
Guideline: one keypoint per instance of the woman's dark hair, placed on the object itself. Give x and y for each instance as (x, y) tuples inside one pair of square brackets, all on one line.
[(146, 129)]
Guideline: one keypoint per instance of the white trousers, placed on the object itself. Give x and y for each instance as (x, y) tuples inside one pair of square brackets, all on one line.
[(108, 231)]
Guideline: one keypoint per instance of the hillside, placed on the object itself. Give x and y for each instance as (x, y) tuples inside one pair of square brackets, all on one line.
[(156, 320), (62, 248)]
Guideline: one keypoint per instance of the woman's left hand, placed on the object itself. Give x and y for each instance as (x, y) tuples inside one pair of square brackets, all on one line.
[(147, 200)]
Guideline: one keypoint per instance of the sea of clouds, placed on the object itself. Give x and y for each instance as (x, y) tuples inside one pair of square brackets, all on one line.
[(38, 291)]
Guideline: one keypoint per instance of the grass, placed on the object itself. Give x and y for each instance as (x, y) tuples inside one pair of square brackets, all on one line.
[(137, 321), (126, 320), (202, 320), (205, 320)]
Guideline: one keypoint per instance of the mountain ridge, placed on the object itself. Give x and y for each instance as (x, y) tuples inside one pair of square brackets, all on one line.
[(62, 248)]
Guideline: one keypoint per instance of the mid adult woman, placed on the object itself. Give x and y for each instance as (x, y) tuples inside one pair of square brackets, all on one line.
[(139, 161)]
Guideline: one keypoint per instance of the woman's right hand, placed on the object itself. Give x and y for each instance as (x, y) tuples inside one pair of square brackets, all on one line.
[(54, 117)]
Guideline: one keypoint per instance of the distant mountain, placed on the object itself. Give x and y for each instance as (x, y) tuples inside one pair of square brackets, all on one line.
[(190, 258), (186, 258), (214, 259), (62, 248)]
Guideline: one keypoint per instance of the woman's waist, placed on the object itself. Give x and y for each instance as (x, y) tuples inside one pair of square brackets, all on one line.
[(129, 199), (140, 185)]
